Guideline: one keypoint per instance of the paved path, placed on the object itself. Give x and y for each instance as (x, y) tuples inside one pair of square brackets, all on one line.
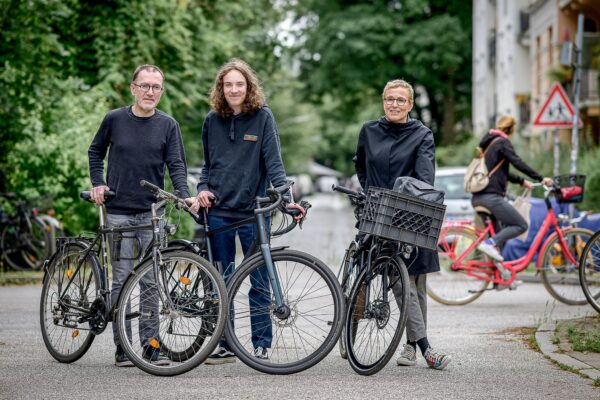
[(490, 358)]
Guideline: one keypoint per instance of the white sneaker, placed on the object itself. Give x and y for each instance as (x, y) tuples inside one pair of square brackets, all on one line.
[(491, 250), (408, 356)]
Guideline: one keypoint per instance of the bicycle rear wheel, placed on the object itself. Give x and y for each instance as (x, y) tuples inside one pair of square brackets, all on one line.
[(303, 331), (454, 286), (66, 330), (560, 276), (168, 338), (376, 315), (26, 248), (589, 271)]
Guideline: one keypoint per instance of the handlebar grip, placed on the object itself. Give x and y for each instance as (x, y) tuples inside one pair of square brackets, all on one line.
[(344, 190), (152, 187), (87, 195)]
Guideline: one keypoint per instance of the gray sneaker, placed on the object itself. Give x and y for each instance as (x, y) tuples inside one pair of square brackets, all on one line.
[(487, 247), (408, 356), (436, 360), (221, 356), (154, 356), (261, 353), (121, 359)]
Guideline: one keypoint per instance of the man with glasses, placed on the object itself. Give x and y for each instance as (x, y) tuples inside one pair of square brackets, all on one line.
[(140, 141)]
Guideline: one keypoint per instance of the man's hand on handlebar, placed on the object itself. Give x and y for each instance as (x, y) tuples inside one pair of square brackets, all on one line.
[(299, 216), (97, 194), (205, 199)]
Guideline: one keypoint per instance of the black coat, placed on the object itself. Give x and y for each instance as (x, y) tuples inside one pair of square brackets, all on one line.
[(386, 151)]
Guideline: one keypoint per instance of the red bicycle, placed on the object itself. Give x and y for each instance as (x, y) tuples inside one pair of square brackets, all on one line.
[(466, 272)]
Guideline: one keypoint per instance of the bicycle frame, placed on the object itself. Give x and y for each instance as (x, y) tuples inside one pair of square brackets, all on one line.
[(481, 270)]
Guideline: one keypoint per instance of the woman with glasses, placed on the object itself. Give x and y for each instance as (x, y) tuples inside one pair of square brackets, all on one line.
[(393, 146)]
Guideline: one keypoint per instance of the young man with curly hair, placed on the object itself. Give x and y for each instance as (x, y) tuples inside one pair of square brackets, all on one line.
[(242, 158)]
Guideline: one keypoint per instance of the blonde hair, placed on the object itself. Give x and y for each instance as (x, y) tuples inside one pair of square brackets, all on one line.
[(399, 83), (255, 97), (506, 124)]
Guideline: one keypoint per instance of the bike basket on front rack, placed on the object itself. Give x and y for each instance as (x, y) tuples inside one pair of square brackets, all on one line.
[(403, 218), (569, 188)]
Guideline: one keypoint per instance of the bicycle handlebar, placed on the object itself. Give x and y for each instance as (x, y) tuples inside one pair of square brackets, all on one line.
[(179, 202), (87, 195)]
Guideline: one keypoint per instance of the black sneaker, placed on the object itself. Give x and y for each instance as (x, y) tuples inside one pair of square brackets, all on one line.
[(221, 356), (121, 359), (153, 355)]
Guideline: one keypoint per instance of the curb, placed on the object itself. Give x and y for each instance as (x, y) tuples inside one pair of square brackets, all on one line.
[(543, 336)]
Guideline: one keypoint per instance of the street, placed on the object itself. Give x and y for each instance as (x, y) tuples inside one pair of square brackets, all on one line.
[(490, 356)]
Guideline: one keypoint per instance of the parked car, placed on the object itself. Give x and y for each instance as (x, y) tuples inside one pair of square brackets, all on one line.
[(457, 201), (324, 183)]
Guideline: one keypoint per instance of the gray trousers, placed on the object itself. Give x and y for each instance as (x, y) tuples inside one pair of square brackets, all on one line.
[(416, 324), (508, 223), (122, 268)]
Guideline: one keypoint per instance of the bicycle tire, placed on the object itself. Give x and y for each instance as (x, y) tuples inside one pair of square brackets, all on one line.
[(454, 287), (180, 334), (368, 354), (69, 343), (559, 276), (26, 250), (316, 309), (349, 272), (589, 271)]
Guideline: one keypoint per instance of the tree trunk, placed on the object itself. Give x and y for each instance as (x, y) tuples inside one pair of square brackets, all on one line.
[(448, 134)]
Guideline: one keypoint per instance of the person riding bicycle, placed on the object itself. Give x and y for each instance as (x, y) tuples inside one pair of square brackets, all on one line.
[(140, 140), (241, 159), (499, 154), (394, 146)]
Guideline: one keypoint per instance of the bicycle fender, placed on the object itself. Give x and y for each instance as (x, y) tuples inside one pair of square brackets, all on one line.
[(546, 244)]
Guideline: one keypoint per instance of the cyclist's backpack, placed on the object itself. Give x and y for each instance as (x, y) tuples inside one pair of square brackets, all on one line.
[(477, 176)]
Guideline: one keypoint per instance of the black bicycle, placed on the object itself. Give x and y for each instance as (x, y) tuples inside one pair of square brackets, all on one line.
[(26, 240), (589, 271), (174, 302), (301, 303), (376, 287)]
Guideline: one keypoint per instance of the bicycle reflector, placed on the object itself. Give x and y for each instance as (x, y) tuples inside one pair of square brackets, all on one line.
[(154, 343), (185, 280), (75, 333)]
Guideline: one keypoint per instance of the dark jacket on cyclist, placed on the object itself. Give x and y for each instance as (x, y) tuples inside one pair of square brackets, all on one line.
[(386, 151), (502, 149), (241, 157)]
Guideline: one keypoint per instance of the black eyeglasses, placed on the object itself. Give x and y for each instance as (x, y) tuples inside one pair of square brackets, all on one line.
[(390, 100), (145, 87)]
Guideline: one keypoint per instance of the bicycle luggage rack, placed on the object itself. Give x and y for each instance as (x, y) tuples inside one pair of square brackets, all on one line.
[(399, 217)]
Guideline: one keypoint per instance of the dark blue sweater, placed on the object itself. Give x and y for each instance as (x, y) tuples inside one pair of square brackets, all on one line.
[(138, 148), (242, 155)]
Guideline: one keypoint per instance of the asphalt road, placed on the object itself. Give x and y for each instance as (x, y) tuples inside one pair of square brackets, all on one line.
[(490, 357)]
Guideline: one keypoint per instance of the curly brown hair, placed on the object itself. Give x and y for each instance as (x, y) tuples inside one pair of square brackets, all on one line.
[(255, 97)]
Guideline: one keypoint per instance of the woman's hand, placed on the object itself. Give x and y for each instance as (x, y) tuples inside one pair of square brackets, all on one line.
[(548, 182), (527, 185), (298, 207)]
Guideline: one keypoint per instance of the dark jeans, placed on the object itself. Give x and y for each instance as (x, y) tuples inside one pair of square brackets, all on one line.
[(508, 223), (223, 250)]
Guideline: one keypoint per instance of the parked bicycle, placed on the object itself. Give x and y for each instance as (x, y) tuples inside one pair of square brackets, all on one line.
[(305, 312), (173, 305), (26, 238), (376, 287), (589, 271), (466, 272)]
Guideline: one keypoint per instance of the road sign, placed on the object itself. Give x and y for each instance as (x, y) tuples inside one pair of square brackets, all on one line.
[(557, 110)]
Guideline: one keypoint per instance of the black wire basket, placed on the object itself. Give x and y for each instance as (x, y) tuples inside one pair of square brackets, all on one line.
[(569, 188)]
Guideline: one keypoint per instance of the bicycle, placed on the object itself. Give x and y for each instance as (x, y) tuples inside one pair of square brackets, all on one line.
[(376, 287), (589, 271), (25, 238), (465, 272), (174, 297), (301, 304)]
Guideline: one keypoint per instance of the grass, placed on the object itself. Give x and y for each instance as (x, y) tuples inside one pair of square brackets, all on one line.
[(555, 340), (597, 382), (583, 341)]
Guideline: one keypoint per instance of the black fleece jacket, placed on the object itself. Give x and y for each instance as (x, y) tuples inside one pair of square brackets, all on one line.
[(241, 157), (138, 148), (502, 149)]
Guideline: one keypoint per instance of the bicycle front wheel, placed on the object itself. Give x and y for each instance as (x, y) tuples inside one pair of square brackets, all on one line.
[(453, 286), (71, 285), (376, 315), (559, 275), (298, 334), (168, 326), (589, 271)]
